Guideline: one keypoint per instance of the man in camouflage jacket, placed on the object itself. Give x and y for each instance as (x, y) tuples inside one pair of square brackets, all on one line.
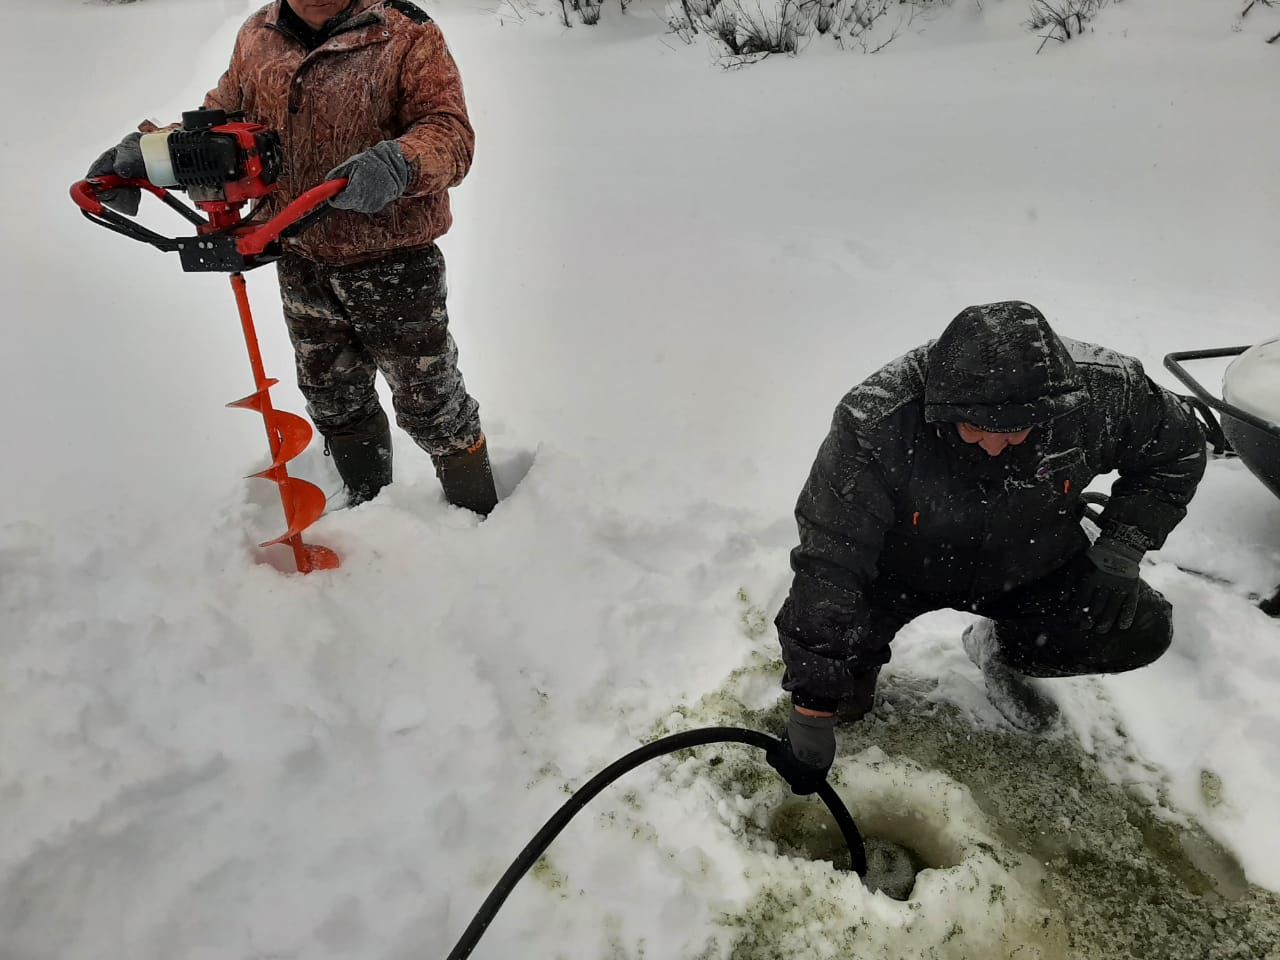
[(951, 478), (367, 89)]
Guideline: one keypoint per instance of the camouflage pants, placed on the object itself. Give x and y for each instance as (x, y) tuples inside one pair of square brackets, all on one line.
[(348, 322)]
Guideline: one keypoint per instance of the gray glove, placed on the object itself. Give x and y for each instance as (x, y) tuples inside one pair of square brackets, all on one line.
[(804, 756), (377, 177), (1108, 591), (124, 160)]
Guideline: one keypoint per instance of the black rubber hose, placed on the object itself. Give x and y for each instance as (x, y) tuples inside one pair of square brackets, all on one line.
[(678, 741)]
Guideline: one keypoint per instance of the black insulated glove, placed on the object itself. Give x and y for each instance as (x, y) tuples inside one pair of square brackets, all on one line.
[(124, 160), (377, 177), (804, 756), (1108, 591)]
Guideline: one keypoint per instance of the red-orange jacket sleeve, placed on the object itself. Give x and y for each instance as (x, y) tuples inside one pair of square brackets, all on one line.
[(438, 141)]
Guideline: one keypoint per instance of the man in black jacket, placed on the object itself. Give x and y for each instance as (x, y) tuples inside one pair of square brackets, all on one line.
[(951, 478)]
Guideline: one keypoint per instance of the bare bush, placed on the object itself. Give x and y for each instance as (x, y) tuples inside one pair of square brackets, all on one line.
[(751, 29), (856, 19), (1266, 3), (746, 29), (588, 11), (1062, 19)]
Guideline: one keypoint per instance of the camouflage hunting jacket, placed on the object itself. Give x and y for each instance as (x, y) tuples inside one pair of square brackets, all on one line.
[(382, 72)]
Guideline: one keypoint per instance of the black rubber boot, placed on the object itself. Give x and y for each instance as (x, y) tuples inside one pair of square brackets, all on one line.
[(467, 478), (362, 454), (1018, 698)]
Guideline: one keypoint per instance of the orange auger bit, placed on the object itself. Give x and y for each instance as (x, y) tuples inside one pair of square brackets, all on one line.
[(287, 436), (226, 163)]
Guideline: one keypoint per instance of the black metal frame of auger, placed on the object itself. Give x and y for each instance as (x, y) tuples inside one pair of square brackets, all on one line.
[(650, 751), (122, 225), (206, 253)]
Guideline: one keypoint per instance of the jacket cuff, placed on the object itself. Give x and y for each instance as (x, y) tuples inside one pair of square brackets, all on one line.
[(1126, 534)]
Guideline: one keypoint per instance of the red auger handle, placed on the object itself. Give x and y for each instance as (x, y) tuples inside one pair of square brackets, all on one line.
[(86, 193), (253, 243)]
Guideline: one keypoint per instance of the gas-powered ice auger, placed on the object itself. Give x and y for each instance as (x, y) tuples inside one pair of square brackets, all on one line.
[(224, 164)]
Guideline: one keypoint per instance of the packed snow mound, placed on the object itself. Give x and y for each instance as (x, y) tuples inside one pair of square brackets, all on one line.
[(1252, 382)]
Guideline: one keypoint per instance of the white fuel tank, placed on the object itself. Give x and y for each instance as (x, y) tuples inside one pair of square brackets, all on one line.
[(1252, 381)]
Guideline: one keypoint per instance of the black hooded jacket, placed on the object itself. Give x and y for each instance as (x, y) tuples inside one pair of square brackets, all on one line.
[(896, 495)]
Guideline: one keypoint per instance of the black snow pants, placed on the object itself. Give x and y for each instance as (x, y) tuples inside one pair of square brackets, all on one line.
[(348, 322), (1041, 630)]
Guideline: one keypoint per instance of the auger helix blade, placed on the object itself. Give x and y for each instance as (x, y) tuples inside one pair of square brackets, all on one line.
[(287, 436), (303, 502), (292, 433)]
